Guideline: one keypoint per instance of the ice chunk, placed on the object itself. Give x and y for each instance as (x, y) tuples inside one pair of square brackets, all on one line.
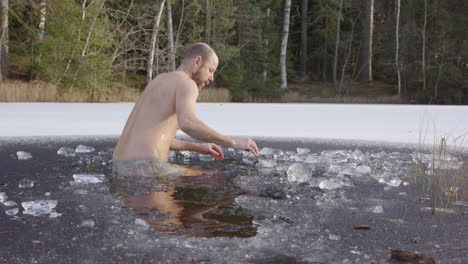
[(343, 169), (10, 203), (3, 197), (363, 169), (358, 155), (188, 155), (88, 178), (269, 152), (12, 211), (282, 167), (22, 155), (334, 237), (87, 223), (249, 161), (142, 223), (332, 184), (298, 158), (299, 172), (395, 182), (378, 209), (268, 163), (379, 155), (26, 183), (389, 178), (39, 207), (204, 157), (67, 152), (172, 155), (336, 153), (313, 158), (266, 170), (303, 151), (84, 149), (54, 215)]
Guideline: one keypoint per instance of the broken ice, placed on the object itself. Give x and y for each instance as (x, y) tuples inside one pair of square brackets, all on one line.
[(299, 173), (54, 215), (268, 152), (39, 207), (22, 155), (84, 149), (332, 184), (10, 203), (303, 151), (142, 223), (26, 183), (88, 178), (363, 169), (67, 152), (12, 211), (87, 223), (378, 209), (3, 197), (391, 179), (267, 163)]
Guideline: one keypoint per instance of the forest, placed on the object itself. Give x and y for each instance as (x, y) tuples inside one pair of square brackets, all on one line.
[(375, 51)]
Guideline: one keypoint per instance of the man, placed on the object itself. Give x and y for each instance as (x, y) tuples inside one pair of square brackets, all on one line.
[(166, 105)]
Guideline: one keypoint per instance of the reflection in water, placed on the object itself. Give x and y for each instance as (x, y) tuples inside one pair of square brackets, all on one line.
[(192, 206)]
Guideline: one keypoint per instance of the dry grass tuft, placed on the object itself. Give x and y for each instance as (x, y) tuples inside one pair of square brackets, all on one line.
[(295, 97), (39, 91), (34, 91), (214, 95)]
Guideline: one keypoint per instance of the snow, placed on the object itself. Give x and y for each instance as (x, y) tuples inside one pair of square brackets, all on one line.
[(382, 123)]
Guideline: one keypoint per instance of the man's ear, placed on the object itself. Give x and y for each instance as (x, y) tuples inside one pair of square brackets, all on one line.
[(198, 61)]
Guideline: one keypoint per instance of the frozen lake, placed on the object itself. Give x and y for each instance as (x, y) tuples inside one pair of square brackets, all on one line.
[(334, 184), (300, 202), (407, 124)]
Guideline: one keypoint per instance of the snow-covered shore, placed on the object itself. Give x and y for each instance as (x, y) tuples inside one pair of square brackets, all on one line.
[(382, 123)]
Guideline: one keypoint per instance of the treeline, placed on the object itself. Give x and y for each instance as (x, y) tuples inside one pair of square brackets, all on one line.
[(417, 46)]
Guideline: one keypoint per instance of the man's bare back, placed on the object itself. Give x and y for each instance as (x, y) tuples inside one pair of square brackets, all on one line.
[(168, 104), (152, 124)]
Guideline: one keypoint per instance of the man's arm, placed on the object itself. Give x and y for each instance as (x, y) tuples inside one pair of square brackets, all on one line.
[(186, 98), (178, 144), (205, 148)]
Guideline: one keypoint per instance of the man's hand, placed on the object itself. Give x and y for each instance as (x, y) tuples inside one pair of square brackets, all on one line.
[(211, 149), (246, 144)]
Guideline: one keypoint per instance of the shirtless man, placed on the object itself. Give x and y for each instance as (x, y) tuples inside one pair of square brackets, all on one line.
[(166, 105)]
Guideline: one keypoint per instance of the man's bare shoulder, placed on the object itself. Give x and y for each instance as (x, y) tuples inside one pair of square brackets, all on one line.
[(180, 81)]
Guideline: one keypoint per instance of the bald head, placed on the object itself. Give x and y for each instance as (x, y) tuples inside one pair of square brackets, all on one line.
[(198, 49)]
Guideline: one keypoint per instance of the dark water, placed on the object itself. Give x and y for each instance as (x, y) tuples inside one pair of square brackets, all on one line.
[(195, 206), (241, 214)]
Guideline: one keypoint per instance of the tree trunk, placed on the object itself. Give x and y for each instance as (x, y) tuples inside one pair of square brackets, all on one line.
[(337, 46), (171, 37), (265, 60), (424, 46), (366, 48), (3, 40), (208, 22), (91, 29), (304, 17), (397, 48), (154, 35), (284, 43), (325, 51), (42, 20)]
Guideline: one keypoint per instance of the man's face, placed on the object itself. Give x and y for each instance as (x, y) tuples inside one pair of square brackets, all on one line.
[(205, 73)]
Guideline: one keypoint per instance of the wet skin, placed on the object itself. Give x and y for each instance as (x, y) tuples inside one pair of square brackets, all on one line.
[(168, 104)]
